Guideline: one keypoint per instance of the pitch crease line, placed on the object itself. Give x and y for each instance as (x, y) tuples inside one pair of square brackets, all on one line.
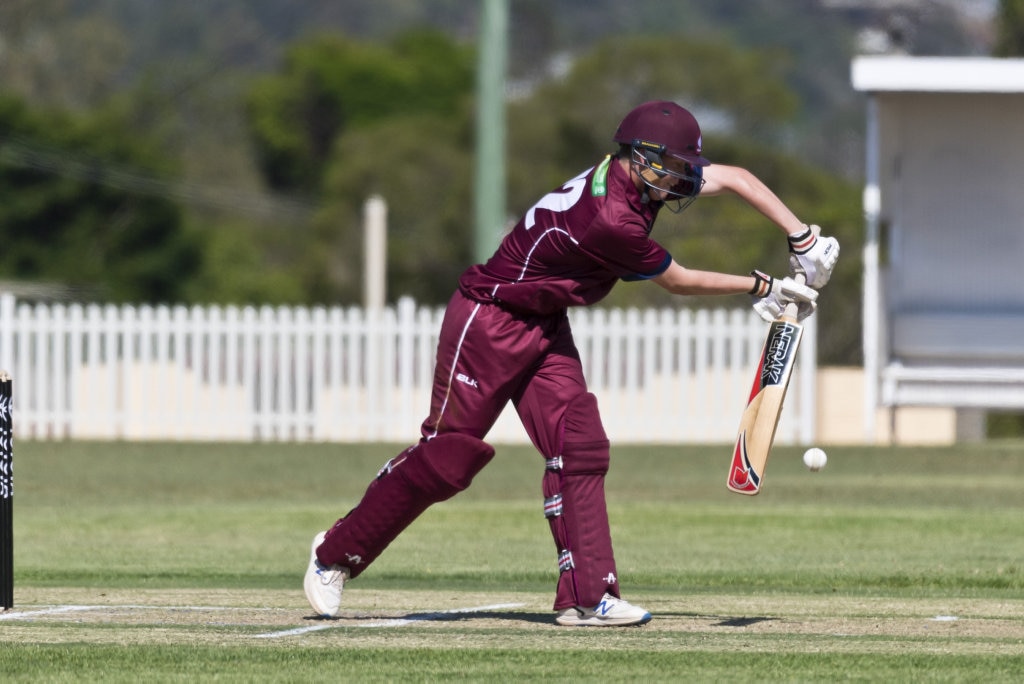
[(121, 606), (397, 622), (44, 611)]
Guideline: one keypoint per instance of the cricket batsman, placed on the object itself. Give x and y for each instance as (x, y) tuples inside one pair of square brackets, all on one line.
[(506, 337)]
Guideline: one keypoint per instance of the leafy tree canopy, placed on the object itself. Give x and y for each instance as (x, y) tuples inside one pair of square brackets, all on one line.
[(421, 166), (331, 84), (67, 213)]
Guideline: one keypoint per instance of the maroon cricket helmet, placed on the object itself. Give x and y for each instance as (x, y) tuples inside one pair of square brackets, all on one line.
[(663, 124)]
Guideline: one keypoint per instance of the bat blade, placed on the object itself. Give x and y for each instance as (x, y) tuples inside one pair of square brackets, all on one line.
[(764, 406)]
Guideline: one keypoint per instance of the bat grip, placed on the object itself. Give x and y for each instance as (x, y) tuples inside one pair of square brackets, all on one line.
[(792, 308)]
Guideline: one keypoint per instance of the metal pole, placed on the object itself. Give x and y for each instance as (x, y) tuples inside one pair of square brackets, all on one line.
[(490, 148)]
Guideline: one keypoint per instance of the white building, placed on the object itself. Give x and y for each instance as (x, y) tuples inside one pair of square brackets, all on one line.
[(944, 250)]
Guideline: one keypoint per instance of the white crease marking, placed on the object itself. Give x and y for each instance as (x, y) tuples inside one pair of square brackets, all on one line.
[(397, 622)]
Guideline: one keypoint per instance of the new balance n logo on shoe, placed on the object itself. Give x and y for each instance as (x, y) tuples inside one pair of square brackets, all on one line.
[(610, 612)]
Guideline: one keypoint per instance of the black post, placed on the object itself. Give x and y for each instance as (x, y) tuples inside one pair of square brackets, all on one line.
[(6, 492)]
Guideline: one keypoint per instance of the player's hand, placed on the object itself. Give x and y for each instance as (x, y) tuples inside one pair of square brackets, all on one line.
[(771, 295), (770, 308), (785, 289), (813, 255)]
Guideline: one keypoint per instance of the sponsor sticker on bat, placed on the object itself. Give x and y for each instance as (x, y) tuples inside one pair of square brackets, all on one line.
[(779, 352)]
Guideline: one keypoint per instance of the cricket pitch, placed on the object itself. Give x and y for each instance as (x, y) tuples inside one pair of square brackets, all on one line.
[(452, 619)]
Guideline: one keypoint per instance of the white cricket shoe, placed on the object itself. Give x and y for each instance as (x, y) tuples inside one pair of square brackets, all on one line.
[(323, 584), (610, 612)]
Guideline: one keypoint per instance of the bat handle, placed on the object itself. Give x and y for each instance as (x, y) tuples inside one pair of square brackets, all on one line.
[(792, 308)]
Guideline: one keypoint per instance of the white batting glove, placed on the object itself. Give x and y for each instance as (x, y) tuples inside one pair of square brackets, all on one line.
[(771, 295), (770, 308), (813, 255)]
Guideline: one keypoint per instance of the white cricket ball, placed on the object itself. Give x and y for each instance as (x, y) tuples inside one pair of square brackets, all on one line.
[(815, 459)]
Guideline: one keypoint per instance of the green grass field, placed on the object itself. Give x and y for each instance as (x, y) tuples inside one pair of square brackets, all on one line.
[(174, 562)]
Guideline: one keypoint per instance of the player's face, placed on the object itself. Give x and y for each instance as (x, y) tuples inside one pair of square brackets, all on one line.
[(673, 182), (670, 184)]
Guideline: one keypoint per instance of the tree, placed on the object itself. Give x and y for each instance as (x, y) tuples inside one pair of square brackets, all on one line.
[(68, 213), (331, 84), (1010, 29), (421, 165), (52, 56), (345, 120)]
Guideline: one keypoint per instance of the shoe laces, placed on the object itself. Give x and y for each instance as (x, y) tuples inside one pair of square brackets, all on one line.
[(330, 574)]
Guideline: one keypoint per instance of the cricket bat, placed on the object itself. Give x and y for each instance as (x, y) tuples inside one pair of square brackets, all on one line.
[(764, 405)]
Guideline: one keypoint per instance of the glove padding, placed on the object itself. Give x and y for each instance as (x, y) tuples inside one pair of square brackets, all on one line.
[(771, 295), (770, 308), (814, 256)]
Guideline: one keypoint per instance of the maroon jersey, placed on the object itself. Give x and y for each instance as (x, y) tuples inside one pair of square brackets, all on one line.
[(572, 246)]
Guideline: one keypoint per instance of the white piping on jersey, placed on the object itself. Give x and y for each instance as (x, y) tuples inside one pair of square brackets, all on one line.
[(451, 375), (529, 255)]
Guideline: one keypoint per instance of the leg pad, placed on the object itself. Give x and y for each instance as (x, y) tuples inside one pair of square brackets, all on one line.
[(422, 475), (576, 510)]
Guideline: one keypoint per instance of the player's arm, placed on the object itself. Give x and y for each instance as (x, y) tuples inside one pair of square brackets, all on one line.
[(720, 179), (687, 281), (813, 256)]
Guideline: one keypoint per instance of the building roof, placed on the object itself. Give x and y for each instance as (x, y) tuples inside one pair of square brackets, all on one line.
[(892, 73)]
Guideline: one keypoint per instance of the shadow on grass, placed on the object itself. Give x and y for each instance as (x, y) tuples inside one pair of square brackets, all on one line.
[(535, 618), (722, 620), (515, 616), (743, 621)]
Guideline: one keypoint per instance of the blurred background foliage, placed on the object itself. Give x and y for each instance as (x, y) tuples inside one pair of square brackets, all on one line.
[(221, 151)]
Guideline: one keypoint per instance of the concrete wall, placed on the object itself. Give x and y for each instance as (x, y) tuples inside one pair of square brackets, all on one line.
[(841, 414)]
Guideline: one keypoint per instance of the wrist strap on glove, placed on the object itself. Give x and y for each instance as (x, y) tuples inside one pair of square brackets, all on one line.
[(801, 242), (762, 284)]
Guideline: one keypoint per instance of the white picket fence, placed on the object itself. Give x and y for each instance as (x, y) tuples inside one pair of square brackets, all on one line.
[(349, 375)]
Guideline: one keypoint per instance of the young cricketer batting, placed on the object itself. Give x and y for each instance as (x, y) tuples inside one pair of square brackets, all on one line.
[(506, 337)]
